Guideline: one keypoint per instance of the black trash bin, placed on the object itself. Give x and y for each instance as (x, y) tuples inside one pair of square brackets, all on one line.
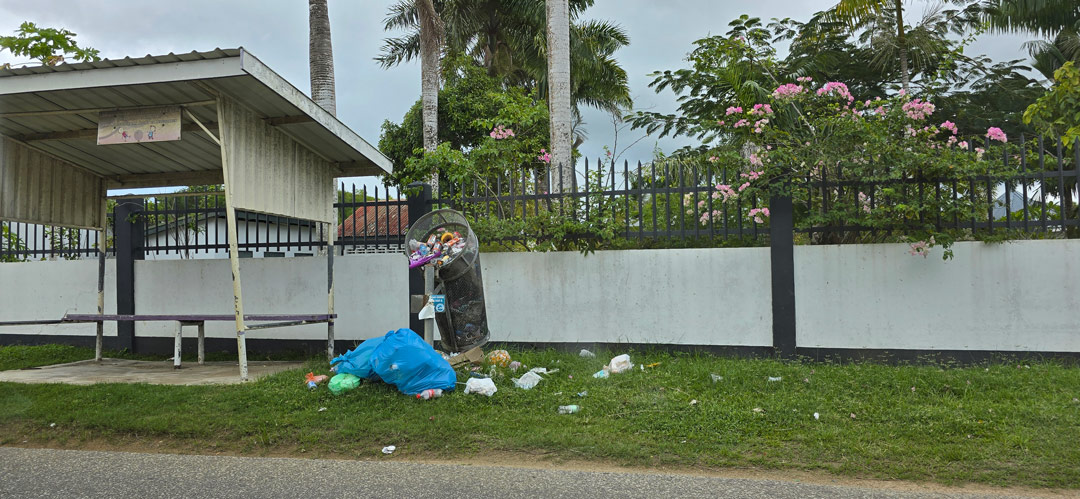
[(464, 323)]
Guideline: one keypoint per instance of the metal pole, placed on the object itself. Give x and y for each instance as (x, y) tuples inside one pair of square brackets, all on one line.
[(101, 274), (234, 251), (429, 289), (331, 229)]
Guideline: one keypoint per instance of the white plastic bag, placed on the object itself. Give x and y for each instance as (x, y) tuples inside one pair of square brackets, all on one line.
[(483, 386), (619, 364), (527, 380)]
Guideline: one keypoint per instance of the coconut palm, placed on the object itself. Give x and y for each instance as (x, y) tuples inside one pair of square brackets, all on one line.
[(321, 56), (558, 81), (431, 42), (1058, 20)]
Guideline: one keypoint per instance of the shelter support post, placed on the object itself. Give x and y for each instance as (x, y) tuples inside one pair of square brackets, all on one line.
[(429, 289), (102, 248), (234, 251), (330, 230)]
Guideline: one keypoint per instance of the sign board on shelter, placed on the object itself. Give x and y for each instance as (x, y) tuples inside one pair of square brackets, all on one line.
[(147, 124)]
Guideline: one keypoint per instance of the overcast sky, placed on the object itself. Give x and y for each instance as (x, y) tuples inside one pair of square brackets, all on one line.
[(275, 31)]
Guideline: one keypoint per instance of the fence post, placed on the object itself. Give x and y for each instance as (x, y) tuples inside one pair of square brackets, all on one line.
[(418, 204), (128, 231), (782, 251)]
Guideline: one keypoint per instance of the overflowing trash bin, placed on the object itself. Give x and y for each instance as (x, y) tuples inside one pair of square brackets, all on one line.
[(443, 239)]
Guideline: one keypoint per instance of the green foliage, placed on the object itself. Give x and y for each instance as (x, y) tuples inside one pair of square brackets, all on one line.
[(1057, 113), (10, 243), (47, 45)]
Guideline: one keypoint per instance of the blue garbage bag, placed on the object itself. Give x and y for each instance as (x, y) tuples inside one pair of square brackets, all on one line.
[(357, 361), (404, 360)]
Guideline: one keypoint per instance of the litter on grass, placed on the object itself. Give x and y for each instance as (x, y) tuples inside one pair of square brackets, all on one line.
[(776, 378), (389, 449), (483, 386), (716, 377), (620, 364), (587, 354), (817, 416), (527, 380)]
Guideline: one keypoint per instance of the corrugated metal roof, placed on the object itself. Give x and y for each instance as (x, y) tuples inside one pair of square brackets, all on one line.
[(54, 109)]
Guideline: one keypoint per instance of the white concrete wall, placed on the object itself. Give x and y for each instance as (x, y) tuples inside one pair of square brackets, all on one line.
[(1018, 296), (371, 294), (1015, 296), (46, 290), (678, 296)]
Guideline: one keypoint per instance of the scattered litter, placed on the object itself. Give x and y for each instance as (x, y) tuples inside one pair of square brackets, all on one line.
[(776, 378), (473, 356), (603, 373), (759, 410), (806, 380), (515, 365), (619, 364), (499, 358), (527, 380), (322, 409), (557, 394), (404, 360), (654, 364), (583, 394), (389, 449), (428, 312), (569, 409), (313, 381), (853, 415), (642, 366), (693, 402), (817, 416), (716, 377), (343, 382), (913, 389), (52, 425), (483, 386), (570, 376), (543, 370), (430, 393), (586, 354)]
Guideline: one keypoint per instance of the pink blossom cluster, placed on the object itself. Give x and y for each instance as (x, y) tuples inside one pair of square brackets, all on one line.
[(741, 123), (500, 133), (995, 133), (544, 156), (713, 159), (787, 90), (752, 175), (804, 79), (838, 88), (918, 109), (921, 248), (704, 218), (760, 123), (979, 153), (760, 109), (864, 201), (725, 192), (732, 110), (755, 160), (744, 186), (950, 126), (755, 214)]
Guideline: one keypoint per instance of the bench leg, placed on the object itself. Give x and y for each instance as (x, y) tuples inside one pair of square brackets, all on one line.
[(202, 336), (176, 346)]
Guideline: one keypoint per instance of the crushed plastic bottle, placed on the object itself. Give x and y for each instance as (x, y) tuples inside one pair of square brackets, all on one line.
[(569, 409), (430, 393), (586, 354)]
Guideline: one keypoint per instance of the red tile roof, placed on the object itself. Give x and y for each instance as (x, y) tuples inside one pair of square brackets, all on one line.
[(367, 221)]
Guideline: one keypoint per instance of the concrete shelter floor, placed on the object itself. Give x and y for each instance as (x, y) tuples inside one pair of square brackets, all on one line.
[(88, 372)]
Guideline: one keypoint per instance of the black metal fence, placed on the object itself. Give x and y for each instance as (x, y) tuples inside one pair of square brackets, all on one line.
[(663, 203)]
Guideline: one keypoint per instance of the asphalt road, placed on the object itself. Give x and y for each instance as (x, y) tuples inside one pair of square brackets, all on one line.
[(71, 474)]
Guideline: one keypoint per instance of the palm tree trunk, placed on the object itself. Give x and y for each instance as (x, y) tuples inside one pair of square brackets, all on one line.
[(558, 65), (321, 56), (431, 35), (901, 44)]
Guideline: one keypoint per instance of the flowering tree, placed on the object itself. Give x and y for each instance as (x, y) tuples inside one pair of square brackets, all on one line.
[(848, 163)]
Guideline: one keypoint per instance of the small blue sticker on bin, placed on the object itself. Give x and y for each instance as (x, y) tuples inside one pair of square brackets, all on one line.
[(440, 303)]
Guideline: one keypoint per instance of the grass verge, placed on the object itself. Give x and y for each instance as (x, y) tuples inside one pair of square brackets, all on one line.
[(1000, 424)]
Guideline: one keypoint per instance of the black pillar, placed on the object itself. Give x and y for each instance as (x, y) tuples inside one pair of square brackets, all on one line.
[(782, 246), (128, 231), (419, 204)]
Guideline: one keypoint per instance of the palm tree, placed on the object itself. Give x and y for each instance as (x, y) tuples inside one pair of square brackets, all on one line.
[(321, 56), (508, 38), (857, 12), (1055, 19), (558, 79), (431, 40)]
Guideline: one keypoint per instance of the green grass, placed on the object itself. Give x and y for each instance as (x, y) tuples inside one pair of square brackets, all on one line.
[(998, 423), (23, 357)]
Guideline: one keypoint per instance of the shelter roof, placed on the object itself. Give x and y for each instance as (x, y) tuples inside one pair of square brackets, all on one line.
[(55, 109)]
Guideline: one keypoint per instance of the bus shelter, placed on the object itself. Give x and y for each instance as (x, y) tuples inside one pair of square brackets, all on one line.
[(71, 132)]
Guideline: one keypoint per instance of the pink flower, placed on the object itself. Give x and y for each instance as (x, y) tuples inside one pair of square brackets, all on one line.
[(741, 123), (754, 160), (733, 109), (500, 133), (544, 156), (724, 191), (950, 126), (902, 92), (756, 214), (713, 159), (761, 109), (744, 186), (979, 152), (918, 109), (963, 144), (864, 200), (721, 122), (787, 90), (995, 133), (837, 88)]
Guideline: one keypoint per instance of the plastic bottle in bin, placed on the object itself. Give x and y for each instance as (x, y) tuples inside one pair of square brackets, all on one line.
[(430, 393)]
